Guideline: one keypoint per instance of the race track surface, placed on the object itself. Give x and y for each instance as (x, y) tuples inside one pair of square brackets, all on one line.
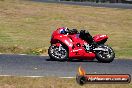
[(24, 65), (108, 5)]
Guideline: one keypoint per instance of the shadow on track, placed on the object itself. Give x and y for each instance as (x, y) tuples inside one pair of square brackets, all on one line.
[(73, 60)]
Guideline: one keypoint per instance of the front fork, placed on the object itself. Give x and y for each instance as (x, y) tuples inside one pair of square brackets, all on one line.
[(59, 46)]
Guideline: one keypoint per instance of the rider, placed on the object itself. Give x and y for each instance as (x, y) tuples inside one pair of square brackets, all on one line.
[(85, 35), (66, 30)]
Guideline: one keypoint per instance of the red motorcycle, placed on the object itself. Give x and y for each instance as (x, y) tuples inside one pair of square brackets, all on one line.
[(71, 44)]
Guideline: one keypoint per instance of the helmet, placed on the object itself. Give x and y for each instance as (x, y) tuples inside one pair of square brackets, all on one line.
[(64, 30)]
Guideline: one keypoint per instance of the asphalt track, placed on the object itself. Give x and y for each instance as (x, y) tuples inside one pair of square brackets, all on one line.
[(24, 65), (108, 5)]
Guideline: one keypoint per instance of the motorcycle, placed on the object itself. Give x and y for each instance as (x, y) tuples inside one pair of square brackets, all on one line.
[(71, 44)]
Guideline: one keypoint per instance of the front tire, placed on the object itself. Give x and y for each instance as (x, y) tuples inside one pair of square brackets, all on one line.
[(105, 56), (56, 54)]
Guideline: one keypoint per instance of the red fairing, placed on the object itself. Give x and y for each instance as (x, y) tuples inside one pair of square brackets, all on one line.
[(99, 37), (57, 32), (79, 51)]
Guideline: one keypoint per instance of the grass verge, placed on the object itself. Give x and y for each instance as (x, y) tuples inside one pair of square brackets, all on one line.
[(51, 82), (26, 26)]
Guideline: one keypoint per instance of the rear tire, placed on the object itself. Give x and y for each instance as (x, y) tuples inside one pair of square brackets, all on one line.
[(105, 56), (55, 54)]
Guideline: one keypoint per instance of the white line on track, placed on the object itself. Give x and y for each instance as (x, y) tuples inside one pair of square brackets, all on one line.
[(34, 76), (67, 77)]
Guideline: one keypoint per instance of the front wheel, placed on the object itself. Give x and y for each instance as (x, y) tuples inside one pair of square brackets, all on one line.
[(57, 52), (106, 56)]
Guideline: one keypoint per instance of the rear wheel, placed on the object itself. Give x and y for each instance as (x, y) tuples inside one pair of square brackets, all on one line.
[(106, 56), (58, 52)]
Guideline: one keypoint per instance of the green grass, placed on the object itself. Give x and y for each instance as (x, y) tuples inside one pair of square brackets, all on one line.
[(51, 82), (26, 26)]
